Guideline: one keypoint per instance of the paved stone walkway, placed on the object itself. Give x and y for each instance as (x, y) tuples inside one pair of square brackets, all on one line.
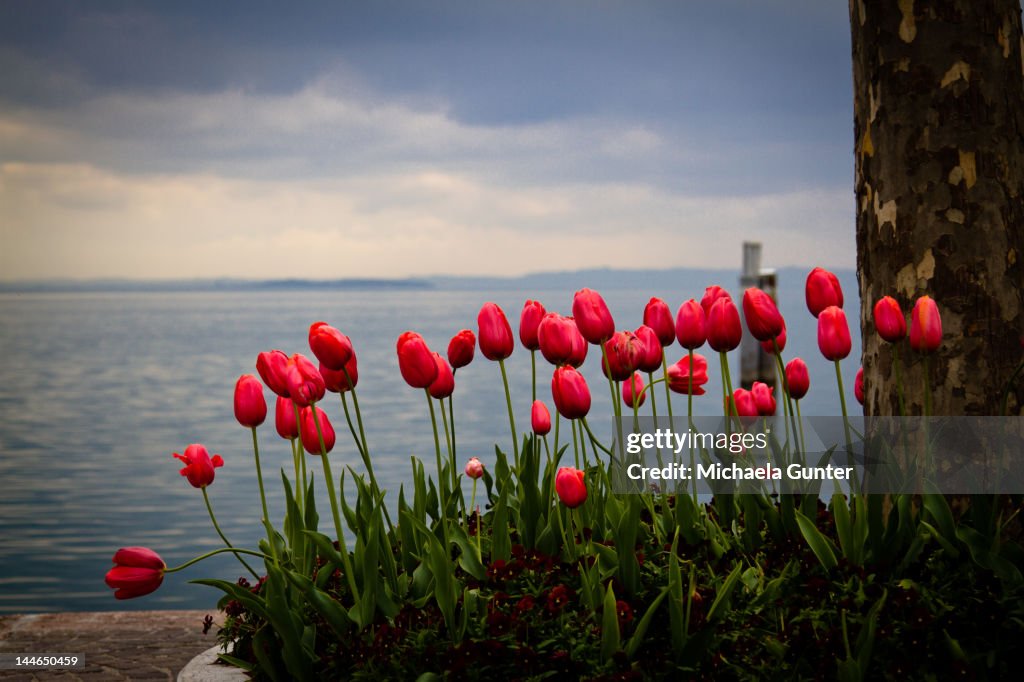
[(126, 645)]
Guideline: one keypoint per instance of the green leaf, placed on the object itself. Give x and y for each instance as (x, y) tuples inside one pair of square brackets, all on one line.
[(641, 628), (325, 605), (724, 592), (818, 543), (467, 553), (610, 639)]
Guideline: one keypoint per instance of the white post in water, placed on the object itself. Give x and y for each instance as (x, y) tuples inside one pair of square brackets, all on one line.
[(755, 364)]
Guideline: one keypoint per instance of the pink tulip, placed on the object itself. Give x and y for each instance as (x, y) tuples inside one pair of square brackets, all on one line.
[(272, 367), (415, 360), (632, 388), (529, 321), (658, 317), (540, 418), (925, 326), (592, 316), (332, 348), (889, 321), (461, 349), (833, 333), (691, 325), (650, 358), (305, 383), (199, 466), (309, 435), (623, 351), (570, 392), (137, 571), (763, 318), (724, 330), (858, 386), (571, 487), (797, 378), (679, 375), (822, 290), (474, 468), (494, 332), (763, 398), (444, 384), (284, 419), (250, 405)]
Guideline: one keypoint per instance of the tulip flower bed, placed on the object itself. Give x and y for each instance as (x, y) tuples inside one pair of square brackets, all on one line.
[(534, 569)]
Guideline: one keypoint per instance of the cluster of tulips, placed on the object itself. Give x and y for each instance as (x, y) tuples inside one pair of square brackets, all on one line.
[(625, 356)]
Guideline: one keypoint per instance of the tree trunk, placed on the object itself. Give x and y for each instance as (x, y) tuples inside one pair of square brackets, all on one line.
[(939, 126)]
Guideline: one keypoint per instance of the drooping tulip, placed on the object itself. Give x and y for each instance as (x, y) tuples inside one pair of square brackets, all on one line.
[(889, 320), (858, 386), (332, 348), (632, 388), (679, 375), (650, 358), (199, 466), (529, 321), (444, 384), (691, 325), (461, 349), (474, 468), (763, 318), (540, 418), (137, 571), (724, 329), (284, 419), (308, 433), (272, 367), (250, 405), (763, 398), (658, 316), (592, 316), (305, 383), (822, 290), (494, 332), (623, 351), (780, 340), (925, 326), (415, 360), (797, 378), (745, 404), (555, 337), (711, 295), (570, 393), (833, 333), (571, 487), (336, 381)]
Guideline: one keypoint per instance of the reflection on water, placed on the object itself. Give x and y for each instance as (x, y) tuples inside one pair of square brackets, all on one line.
[(97, 391)]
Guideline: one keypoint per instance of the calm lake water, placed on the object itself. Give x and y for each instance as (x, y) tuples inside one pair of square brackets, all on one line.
[(98, 389)]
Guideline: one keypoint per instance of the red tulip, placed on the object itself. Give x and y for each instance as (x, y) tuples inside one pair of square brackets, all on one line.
[(555, 337), (444, 384), (889, 320), (332, 348), (308, 433), (763, 318), (833, 333), (679, 375), (632, 388), (764, 401), (474, 468), (415, 360), (305, 383), (284, 419), (250, 405), (592, 316), (691, 325), (540, 418), (529, 321), (925, 326), (623, 350), (461, 349), (495, 334), (650, 358), (711, 295), (797, 378), (336, 381), (137, 571), (858, 386), (658, 316), (570, 392), (724, 330), (571, 487), (199, 466), (746, 406), (578, 350), (272, 367), (780, 340), (822, 290)]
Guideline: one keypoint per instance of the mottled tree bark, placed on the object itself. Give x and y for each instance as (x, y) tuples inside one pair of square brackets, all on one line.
[(939, 126)]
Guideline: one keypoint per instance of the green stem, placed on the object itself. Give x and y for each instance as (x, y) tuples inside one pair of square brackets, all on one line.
[(360, 441), (215, 552), (209, 508), (352, 430), (689, 419), (437, 450), (558, 424), (846, 420), (479, 524), (533, 373), (511, 416), (300, 500), (593, 438), (654, 407), (263, 495), (575, 442), (451, 453), (668, 392)]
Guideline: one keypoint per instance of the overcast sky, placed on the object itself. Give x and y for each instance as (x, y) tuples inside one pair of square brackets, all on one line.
[(343, 139)]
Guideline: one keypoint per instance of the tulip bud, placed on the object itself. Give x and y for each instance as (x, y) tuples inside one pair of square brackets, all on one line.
[(632, 389), (337, 381), (925, 326), (332, 348), (540, 418), (679, 379), (724, 330), (305, 383), (833, 333), (250, 405), (137, 571), (444, 384), (495, 333), (284, 419), (780, 341), (822, 290), (745, 404), (199, 466), (889, 320), (797, 378), (474, 468), (309, 434), (763, 318), (461, 349), (272, 367), (571, 487), (691, 325), (623, 352), (529, 321), (555, 337), (764, 401), (658, 317), (858, 386), (415, 360), (651, 356), (570, 392), (592, 316), (711, 295)]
